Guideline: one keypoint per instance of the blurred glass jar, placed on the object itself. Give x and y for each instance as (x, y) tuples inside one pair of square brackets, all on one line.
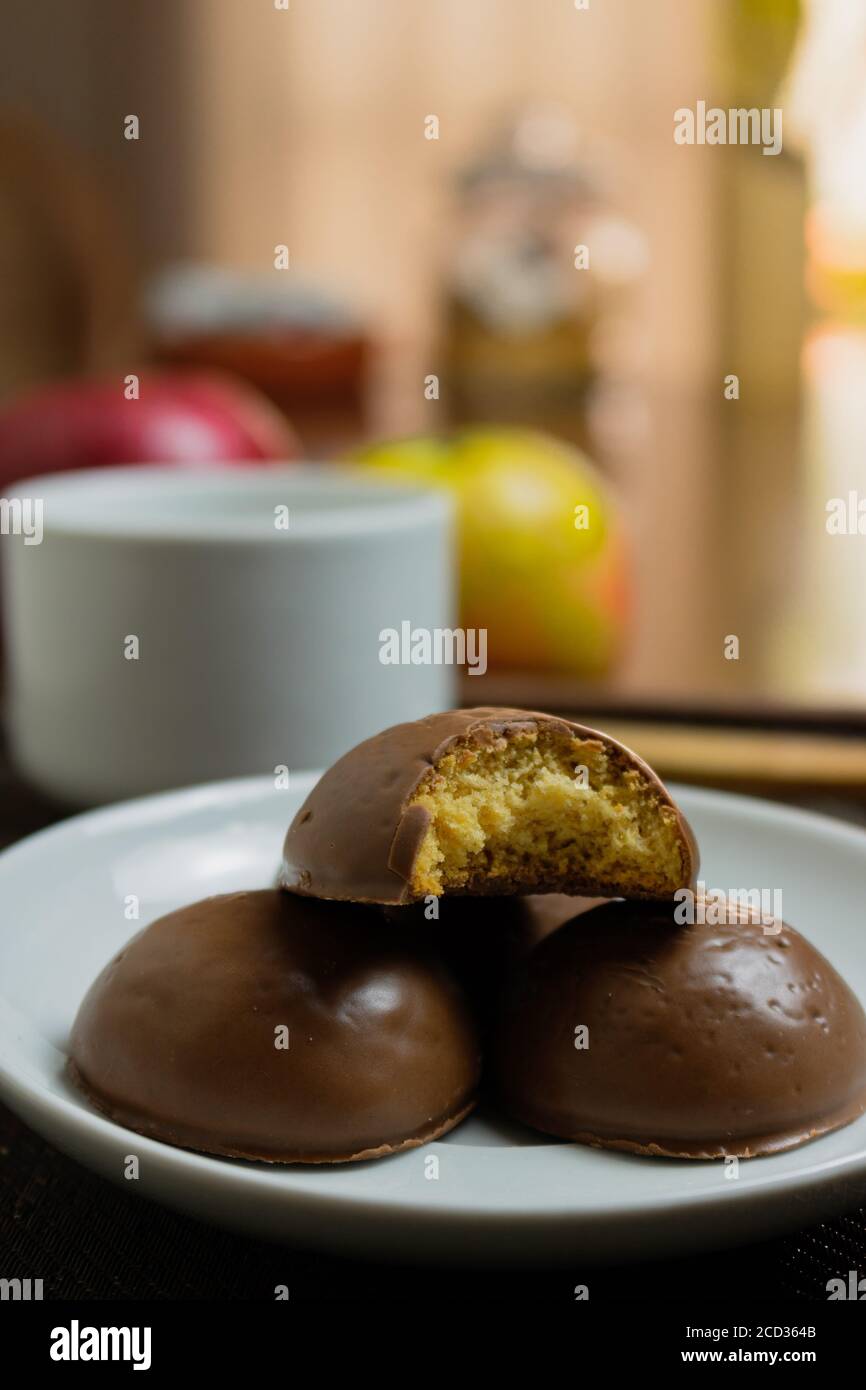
[(538, 269), (299, 344)]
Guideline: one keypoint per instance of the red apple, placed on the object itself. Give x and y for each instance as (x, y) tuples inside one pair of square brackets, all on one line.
[(188, 418)]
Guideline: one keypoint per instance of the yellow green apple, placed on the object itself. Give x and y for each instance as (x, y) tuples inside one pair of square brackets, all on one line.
[(542, 551)]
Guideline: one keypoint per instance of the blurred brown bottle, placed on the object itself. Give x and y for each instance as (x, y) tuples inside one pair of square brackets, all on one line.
[(539, 259)]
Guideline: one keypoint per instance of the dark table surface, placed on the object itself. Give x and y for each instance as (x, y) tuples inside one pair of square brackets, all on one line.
[(87, 1239)]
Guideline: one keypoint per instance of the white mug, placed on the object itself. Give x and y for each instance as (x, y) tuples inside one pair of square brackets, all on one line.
[(175, 626)]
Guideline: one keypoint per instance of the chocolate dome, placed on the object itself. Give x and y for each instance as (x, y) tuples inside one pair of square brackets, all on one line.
[(177, 1037), (701, 1042)]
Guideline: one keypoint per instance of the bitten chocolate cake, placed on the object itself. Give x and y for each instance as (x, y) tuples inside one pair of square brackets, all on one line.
[(488, 801), (699, 1041), (265, 1026)]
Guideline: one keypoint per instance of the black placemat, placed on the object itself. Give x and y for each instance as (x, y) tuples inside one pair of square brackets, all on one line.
[(87, 1239)]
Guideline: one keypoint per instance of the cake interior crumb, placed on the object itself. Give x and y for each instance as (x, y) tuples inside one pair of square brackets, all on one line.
[(540, 809)]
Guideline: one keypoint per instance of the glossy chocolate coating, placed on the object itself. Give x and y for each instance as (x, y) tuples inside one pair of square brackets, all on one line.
[(176, 1038), (704, 1041), (356, 839)]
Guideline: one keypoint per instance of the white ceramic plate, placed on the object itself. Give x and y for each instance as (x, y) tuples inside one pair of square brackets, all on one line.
[(502, 1193)]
